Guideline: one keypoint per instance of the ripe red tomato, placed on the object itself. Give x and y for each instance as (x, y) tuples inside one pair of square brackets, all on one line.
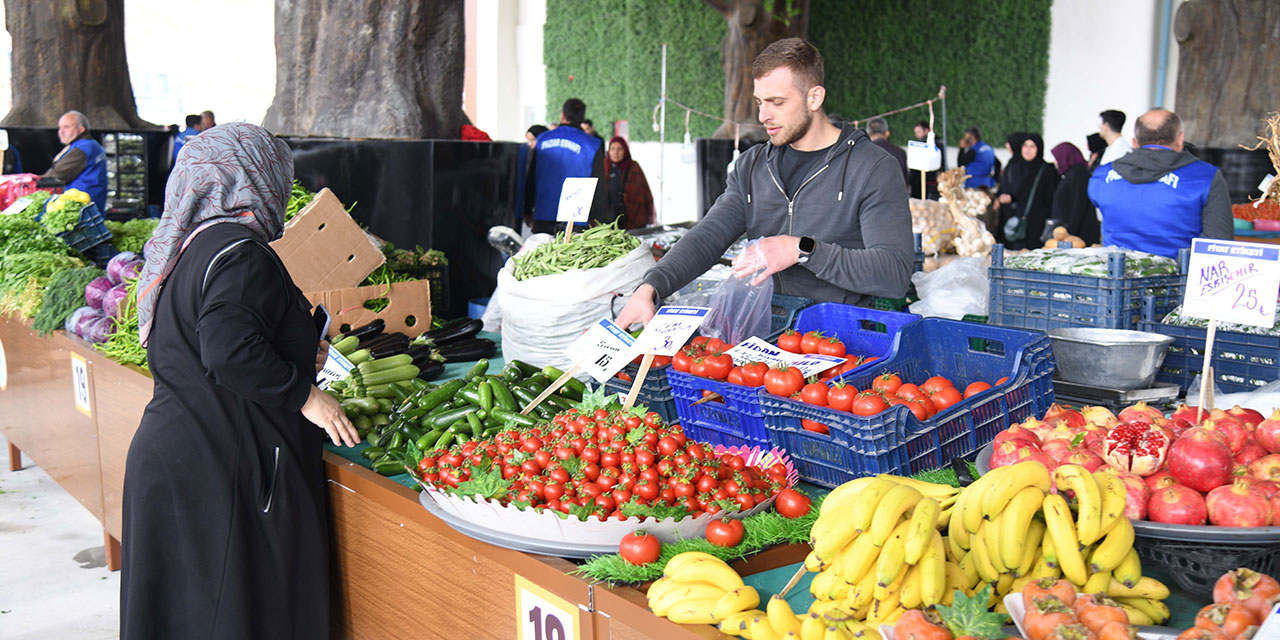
[(660, 361), (809, 343), (816, 427), (753, 373), (715, 345), (792, 503), (814, 393), (869, 404), (887, 383), (910, 391), (975, 388), (639, 548), (699, 367), (790, 341), (935, 384), (718, 366), (735, 376), (1002, 381), (917, 409), (726, 532), (682, 361), (841, 396), (783, 381), (945, 398), (831, 347)]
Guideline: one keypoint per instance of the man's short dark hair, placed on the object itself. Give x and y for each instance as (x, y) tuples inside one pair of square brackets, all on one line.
[(877, 126), (1113, 119), (574, 111), (975, 132), (537, 130), (192, 121), (1157, 127), (588, 121), (796, 54), (923, 124)]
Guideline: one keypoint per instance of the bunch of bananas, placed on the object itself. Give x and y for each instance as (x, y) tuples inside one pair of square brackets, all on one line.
[(699, 588), (778, 621)]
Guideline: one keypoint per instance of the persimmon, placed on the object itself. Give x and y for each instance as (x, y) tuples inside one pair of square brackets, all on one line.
[(1061, 589), (1044, 616)]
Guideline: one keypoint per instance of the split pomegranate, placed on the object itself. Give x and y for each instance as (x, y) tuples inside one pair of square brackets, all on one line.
[(1136, 447), (1248, 417), (1099, 416), (1250, 452), (1141, 412), (1177, 504), (1200, 460), (1256, 591), (1058, 413), (1235, 505), (1160, 479), (1268, 433), (1233, 431), (1266, 468)]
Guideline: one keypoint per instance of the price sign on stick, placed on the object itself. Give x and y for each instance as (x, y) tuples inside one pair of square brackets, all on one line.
[(602, 350), (1230, 282), (575, 202), (669, 329)]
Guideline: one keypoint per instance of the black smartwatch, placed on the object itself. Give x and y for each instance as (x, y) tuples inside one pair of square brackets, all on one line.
[(807, 245)]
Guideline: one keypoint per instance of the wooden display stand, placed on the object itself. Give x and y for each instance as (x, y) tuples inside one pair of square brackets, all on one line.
[(397, 571)]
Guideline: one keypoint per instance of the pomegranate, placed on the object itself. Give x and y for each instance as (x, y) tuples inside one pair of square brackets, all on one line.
[(1268, 433), (1058, 449), (1236, 505), (1061, 430), (1266, 487), (1184, 412), (1248, 417), (1049, 463), (1177, 504), (1137, 495), (1136, 447), (1141, 412), (1011, 451), (1037, 427), (1160, 479), (1094, 437), (1250, 451), (1087, 459), (1200, 460), (1179, 426), (1274, 501), (1099, 416), (1266, 468), (1233, 432), (1016, 433), (1058, 413), (1256, 591)]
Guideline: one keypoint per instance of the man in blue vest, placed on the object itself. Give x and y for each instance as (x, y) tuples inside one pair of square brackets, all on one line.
[(1158, 197), (564, 152), (82, 164), (193, 129)]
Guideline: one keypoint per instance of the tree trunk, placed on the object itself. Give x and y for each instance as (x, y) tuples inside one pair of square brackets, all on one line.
[(69, 55), (368, 69), (1227, 64), (751, 28)]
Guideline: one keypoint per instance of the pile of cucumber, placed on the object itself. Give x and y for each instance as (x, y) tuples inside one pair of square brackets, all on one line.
[(476, 406)]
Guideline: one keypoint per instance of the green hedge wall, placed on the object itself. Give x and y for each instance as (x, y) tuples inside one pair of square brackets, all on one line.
[(993, 55)]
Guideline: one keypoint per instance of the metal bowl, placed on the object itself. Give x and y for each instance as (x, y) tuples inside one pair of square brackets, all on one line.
[(1112, 358)]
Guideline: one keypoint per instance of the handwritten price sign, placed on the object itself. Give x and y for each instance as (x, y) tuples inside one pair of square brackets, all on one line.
[(670, 329), (1233, 282), (575, 200)]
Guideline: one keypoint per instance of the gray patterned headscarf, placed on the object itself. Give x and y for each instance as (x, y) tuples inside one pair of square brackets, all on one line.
[(235, 172)]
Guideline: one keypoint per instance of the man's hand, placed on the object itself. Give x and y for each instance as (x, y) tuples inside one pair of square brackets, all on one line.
[(639, 308), (774, 253), (325, 412)]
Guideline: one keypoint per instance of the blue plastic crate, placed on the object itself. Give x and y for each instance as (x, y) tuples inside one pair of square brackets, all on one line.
[(894, 440), (733, 420), (783, 313), (1027, 299), (89, 232), (655, 392), (1241, 361), (865, 332)]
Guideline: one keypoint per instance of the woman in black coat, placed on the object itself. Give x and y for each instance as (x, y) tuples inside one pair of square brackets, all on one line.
[(1026, 192), (1071, 206)]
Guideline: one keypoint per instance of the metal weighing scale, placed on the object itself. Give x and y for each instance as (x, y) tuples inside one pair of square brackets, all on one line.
[(1114, 399)]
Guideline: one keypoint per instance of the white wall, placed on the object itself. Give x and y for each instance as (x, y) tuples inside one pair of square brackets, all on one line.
[(511, 85), (679, 198)]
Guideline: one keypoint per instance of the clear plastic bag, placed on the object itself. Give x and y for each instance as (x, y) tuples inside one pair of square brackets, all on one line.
[(739, 309), (958, 289)]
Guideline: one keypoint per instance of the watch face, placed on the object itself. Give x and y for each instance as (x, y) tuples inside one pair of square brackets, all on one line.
[(807, 244)]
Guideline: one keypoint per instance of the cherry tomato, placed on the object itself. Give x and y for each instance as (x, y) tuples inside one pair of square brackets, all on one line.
[(707, 484), (639, 548), (647, 490), (745, 501), (667, 446), (726, 532), (792, 503)]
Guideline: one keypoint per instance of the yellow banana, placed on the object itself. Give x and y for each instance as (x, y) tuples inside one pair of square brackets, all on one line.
[(894, 589), (859, 559), (958, 537), (1111, 488), (659, 587), (969, 565), (743, 598), (812, 628), (1155, 609), (1034, 536), (858, 630), (781, 617), (991, 536), (924, 524), (863, 591), (823, 584), (831, 535), (1048, 549), (892, 563), (835, 632), (717, 573), (975, 496), (1097, 582), (1041, 569), (944, 515), (1004, 584), (892, 616), (933, 572), (882, 607), (813, 563), (909, 596), (1137, 616), (982, 562), (863, 508), (1113, 548), (663, 605), (1058, 518), (1018, 584), (841, 498), (688, 557), (890, 510), (1015, 522), (735, 624), (956, 578), (1146, 587), (1129, 571), (760, 629), (1028, 473), (695, 611), (939, 492), (1088, 498)]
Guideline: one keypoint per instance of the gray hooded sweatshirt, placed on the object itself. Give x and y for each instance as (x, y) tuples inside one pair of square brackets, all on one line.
[(854, 205)]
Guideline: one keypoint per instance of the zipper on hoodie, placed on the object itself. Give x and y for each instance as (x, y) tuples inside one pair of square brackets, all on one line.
[(791, 204)]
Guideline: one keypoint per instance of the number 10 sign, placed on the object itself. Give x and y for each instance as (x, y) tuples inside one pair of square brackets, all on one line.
[(1233, 282)]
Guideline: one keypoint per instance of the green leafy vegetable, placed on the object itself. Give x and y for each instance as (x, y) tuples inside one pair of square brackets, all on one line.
[(64, 217), (661, 512), (64, 293), (483, 484), (132, 235), (124, 346), (23, 277), (968, 616)]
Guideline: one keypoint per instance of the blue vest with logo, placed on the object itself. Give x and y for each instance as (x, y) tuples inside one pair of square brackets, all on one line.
[(93, 180), (1158, 217), (563, 152)]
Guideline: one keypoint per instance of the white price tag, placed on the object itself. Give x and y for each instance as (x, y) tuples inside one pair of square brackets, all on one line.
[(4, 369), (1233, 282), (575, 199), (1266, 182), (1270, 628), (814, 363), (603, 350), (80, 384), (923, 156), (336, 367), (542, 615), (669, 329), (17, 206), (754, 349)]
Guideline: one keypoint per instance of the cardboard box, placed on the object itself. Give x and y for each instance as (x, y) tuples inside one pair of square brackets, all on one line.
[(408, 310), (324, 249)]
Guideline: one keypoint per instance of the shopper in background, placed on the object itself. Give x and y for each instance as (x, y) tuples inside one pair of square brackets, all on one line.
[(564, 152), (82, 163), (180, 138), (830, 211), (1071, 206), (1111, 123), (206, 121), (531, 136), (921, 131), (1159, 197), (981, 158), (630, 200), (878, 132), (590, 128), (1026, 192), (1097, 146), (225, 531)]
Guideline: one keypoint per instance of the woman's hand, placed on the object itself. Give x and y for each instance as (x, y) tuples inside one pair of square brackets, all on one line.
[(1005, 198), (325, 412), (322, 355)]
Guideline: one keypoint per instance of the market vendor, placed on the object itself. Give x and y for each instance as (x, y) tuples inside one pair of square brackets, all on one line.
[(1158, 197), (82, 163), (829, 205)]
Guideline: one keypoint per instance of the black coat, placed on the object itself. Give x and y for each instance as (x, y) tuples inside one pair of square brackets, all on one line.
[(225, 532), (1031, 186), (1072, 208)]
